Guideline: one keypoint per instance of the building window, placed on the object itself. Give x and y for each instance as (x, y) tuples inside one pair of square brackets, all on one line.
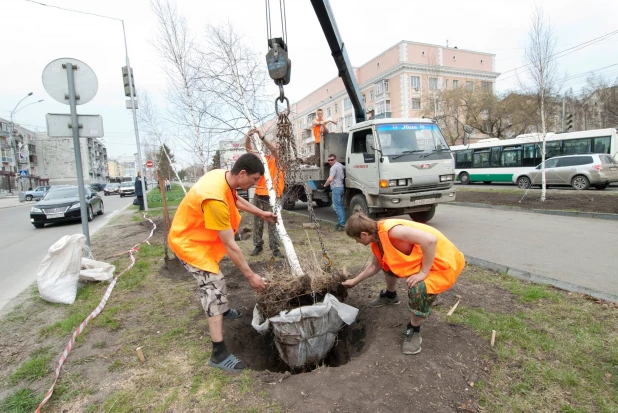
[(415, 83), (455, 84), (416, 104), (383, 107), (328, 112), (336, 108), (364, 99), (371, 96), (486, 86), (446, 84), (349, 121), (381, 87), (347, 104), (470, 85), (433, 83)]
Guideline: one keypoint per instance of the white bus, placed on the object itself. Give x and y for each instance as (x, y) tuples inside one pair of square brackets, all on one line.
[(496, 160)]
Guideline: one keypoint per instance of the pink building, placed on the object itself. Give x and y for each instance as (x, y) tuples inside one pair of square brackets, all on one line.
[(397, 83)]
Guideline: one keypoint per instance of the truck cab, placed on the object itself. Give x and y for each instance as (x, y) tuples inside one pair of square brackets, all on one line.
[(398, 166)]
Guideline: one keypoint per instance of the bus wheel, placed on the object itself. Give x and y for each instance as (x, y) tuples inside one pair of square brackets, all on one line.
[(580, 182), (464, 178), (523, 182), (423, 216)]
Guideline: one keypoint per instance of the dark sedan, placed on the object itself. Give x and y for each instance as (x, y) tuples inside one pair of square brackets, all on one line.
[(62, 204)]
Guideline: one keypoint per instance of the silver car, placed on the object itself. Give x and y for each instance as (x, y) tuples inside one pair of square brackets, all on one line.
[(579, 171)]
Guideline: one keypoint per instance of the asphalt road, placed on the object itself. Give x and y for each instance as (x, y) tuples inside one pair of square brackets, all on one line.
[(574, 250), (23, 247), (502, 185)]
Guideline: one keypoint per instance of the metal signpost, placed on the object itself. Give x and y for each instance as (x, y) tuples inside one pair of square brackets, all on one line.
[(70, 79)]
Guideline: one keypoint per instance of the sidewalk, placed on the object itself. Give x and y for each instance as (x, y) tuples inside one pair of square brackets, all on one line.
[(13, 201)]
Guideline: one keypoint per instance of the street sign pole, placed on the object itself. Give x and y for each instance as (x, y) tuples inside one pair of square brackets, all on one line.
[(78, 154)]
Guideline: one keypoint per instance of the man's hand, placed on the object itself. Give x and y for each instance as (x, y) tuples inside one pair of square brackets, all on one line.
[(349, 283), (415, 279), (269, 217), (256, 282)]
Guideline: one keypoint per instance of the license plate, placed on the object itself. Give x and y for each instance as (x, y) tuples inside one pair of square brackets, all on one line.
[(55, 215), (424, 201)]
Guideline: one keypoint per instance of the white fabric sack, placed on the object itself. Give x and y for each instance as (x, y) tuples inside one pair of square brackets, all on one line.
[(305, 335), (92, 270), (58, 273)]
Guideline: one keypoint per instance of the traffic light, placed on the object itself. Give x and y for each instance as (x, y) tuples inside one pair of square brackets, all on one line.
[(569, 122), (125, 80)]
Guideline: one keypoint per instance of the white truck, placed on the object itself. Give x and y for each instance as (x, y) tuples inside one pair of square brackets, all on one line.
[(393, 166)]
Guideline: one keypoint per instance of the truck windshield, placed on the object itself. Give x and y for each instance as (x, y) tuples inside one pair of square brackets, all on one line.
[(404, 138)]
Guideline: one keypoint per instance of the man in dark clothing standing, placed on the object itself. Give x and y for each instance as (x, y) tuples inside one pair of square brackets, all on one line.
[(138, 190)]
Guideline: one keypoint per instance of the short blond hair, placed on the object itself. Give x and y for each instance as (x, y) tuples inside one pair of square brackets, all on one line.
[(358, 223)]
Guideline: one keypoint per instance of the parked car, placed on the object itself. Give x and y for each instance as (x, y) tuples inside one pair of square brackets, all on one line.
[(111, 189), (97, 187), (62, 204), (126, 188), (579, 171), (37, 193)]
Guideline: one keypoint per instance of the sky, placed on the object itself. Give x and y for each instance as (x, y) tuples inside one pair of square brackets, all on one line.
[(35, 35)]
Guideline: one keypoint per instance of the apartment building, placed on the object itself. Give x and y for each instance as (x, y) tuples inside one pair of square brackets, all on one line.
[(403, 81), (19, 154)]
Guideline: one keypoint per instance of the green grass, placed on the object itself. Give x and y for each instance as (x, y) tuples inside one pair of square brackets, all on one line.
[(554, 354), (35, 367), (174, 197), (22, 401)]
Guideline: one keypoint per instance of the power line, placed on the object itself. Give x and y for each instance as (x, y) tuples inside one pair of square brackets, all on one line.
[(563, 53), (72, 10)]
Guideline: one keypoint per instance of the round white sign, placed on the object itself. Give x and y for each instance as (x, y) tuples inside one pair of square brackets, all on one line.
[(56, 83)]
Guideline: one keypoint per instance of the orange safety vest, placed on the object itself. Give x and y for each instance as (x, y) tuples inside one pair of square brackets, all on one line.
[(260, 187), (317, 133), (188, 238), (446, 267)]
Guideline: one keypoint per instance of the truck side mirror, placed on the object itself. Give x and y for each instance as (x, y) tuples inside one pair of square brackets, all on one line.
[(467, 131)]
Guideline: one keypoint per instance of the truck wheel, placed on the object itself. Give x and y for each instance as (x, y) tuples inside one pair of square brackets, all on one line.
[(288, 204), (322, 204), (424, 216), (358, 204)]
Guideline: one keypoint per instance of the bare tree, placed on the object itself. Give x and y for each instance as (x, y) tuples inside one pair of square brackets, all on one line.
[(183, 62), (542, 73), (599, 107)]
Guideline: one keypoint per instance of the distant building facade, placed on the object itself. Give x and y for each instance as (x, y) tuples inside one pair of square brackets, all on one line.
[(400, 82)]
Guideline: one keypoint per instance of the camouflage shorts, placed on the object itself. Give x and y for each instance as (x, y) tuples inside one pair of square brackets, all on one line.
[(213, 291), (419, 302)]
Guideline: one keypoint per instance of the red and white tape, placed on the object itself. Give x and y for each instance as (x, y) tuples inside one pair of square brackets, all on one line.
[(92, 315)]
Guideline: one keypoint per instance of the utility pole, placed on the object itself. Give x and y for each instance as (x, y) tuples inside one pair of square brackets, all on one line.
[(563, 107)]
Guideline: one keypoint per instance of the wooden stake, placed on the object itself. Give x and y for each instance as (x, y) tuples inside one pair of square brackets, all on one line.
[(493, 337), (140, 354), (166, 214), (454, 307), (308, 225)]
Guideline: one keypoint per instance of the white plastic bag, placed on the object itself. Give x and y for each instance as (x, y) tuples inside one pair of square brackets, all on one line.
[(58, 273), (305, 335), (92, 270)]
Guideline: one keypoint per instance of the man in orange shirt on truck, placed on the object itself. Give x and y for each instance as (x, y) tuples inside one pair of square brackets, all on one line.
[(420, 254), (319, 128), (261, 199), (203, 232)]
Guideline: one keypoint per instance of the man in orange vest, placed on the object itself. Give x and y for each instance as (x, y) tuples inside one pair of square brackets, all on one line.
[(428, 261), (319, 128), (261, 199), (203, 232)]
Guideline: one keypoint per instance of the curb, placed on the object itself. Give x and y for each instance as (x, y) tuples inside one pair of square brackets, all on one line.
[(594, 215), (539, 279)]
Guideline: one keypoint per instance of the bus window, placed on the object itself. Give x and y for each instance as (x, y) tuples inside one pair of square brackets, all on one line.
[(601, 145), (463, 159), (511, 156), (576, 146), (495, 157), (481, 159), (528, 159), (551, 149)]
